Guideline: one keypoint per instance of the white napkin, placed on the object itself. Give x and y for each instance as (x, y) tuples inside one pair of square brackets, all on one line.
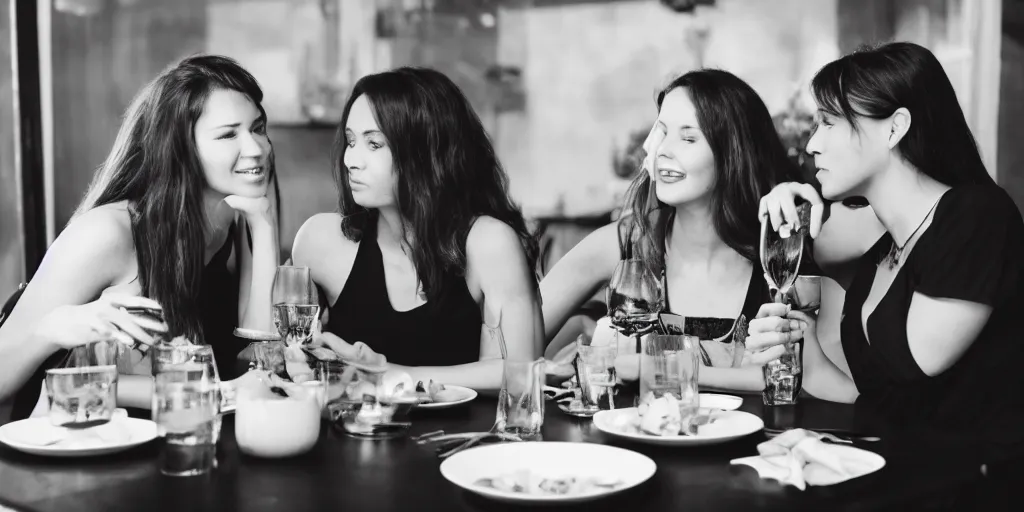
[(799, 458), (42, 433)]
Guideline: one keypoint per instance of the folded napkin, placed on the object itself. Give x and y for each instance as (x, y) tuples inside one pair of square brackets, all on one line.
[(42, 433), (800, 458)]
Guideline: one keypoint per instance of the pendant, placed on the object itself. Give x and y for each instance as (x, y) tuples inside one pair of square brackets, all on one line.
[(893, 257)]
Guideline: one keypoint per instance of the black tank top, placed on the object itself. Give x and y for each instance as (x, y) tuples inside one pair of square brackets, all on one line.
[(442, 332)]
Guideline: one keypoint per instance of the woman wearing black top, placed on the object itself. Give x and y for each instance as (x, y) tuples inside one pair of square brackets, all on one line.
[(427, 244), (930, 320), (176, 218)]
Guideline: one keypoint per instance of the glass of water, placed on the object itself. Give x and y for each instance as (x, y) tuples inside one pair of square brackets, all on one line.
[(296, 307), (595, 368), (83, 392), (186, 410), (521, 399), (670, 365)]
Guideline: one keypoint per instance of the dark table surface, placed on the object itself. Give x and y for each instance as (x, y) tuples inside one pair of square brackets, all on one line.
[(345, 473)]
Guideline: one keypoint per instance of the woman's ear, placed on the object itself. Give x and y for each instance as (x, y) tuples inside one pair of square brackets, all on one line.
[(899, 125)]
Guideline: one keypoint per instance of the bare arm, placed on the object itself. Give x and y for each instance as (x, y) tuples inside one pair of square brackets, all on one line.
[(60, 309), (258, 264), (497, 263), (577, 277)]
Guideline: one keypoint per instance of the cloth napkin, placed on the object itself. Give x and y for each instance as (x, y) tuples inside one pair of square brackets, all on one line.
[(44, 434), (800, 458)]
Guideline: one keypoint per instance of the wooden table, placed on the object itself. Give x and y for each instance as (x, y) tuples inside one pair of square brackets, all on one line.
[(348, 474)]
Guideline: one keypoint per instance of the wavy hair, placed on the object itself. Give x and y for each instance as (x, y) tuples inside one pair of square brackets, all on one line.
[(875, 81), (447, 171), (154, 166), (749, 160)]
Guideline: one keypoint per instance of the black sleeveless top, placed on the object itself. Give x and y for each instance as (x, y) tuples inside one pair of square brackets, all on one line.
[(442, 332), (972, 252), (218, 307)]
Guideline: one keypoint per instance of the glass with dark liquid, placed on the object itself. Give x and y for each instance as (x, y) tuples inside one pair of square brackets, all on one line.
[(635, 298)]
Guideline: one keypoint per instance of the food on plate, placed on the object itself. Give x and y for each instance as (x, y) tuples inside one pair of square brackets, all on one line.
[(660, 416), (398, 386), (526, 482)]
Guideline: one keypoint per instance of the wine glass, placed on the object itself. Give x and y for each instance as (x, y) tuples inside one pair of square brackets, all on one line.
[(296, 308), (781, 253), (635, 297)]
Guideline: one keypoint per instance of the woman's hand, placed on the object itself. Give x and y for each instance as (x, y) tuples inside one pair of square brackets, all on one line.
[(779, 206), (103, 319), (257, 210), (775, 326), (351, 352)]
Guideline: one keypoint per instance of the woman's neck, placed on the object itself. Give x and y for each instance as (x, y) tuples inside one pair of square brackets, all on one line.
[(693, 237), (219, 217), (390, 229), (901, 197)]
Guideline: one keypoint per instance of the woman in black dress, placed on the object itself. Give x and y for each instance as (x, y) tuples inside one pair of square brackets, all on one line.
[(177, 218), (930, 321), (427, 244)]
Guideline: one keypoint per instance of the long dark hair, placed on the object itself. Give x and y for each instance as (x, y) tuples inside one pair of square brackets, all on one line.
[(154, 165), (875, 81), (448, 173), (749, 161)]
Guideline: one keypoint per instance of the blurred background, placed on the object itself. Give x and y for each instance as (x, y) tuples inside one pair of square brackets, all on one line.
[(565, 87)]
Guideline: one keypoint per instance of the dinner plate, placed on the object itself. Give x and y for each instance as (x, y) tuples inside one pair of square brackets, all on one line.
[(718, 401), (535, 461), (31, 435), (464, 395), (724, 426)]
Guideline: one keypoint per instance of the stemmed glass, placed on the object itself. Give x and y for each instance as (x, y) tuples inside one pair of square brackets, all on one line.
[(781, 253), (296, 308), (635, 298)]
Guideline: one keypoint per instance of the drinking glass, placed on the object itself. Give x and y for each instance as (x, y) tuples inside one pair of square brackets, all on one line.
[(595, 373), (359, 400), (521, 399), (186, 410), (781, 252), (669, 365), (635, 298), (296, 307), (83, 391)]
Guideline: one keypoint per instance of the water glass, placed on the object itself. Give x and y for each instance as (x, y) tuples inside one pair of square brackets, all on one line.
[(186, 410), (296, 307), (83, 391), (595, 367), (521, 399), (669, 365), (359, 401)]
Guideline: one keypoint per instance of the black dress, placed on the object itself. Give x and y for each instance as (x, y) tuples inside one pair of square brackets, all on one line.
[(442, 332), (218, 307), (972, 251)]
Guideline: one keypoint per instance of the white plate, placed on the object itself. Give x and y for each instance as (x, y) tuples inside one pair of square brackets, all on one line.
[(466, 395), (140, 432), (726, 426), (547, 460), (723, 402)]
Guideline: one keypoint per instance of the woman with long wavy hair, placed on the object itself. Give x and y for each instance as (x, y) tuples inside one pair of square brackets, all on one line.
[(426, 244), (691, 217), (176, 218)]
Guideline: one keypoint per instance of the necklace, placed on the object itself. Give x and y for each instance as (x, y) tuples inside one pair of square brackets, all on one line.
[(896, 251)]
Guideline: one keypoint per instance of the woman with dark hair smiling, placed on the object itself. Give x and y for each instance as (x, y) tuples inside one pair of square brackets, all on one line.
[(713, 152), (930, 320), (427, 243), (176, 218)]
